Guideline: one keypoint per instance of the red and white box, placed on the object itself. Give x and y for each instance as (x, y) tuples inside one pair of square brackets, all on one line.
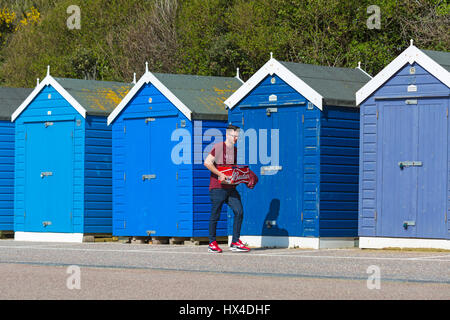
[(235, 174)]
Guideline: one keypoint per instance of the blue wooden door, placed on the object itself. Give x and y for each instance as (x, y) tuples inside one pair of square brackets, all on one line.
[(413, 165), (49, 176), (150, 177), (273, 207), (256, 202), (137, 164), (432, 176), (398, 201), (287, 184), (163, 185)]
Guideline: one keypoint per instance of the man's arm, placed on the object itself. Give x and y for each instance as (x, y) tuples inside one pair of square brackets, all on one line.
[(209, 163)]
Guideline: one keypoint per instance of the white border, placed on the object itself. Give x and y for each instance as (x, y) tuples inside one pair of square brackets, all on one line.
[(48, 237), (269, 68), (48, 81), (297, 242), (146, 78), (381, 242), (410, 55)]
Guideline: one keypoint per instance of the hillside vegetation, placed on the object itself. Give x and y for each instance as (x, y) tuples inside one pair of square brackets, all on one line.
[(208, 37)]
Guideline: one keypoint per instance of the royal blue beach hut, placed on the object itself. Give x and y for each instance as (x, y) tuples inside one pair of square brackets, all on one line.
[(404, 154), (10, 99), (301, 137), (63, 160), (162, 130)]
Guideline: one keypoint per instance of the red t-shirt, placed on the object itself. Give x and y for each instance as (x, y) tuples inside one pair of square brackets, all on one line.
[(219, 152)]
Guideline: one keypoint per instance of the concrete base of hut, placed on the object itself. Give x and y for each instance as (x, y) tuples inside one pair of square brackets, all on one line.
[(382, 243), (297, 242)]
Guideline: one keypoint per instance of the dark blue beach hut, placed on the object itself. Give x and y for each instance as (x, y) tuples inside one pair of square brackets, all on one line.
[(63, 159), (10, 99), (404, 168), (301, 137), (161, 131)]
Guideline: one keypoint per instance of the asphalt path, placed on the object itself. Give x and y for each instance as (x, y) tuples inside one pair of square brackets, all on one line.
[(31, 270)]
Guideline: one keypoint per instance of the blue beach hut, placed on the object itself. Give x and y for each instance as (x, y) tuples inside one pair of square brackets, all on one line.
[(404, 168), (161, 131), (10, 99), (63, 160), (301, 136)]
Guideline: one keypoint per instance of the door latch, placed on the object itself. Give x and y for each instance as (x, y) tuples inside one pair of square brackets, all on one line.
[(270, 170), (148, 177), (408, 223), (46, 223), (46, 174), (269, 111), (403, 164)]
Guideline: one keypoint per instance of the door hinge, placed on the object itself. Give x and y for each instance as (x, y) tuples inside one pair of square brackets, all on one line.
[(70, 215), (377, 114), (124, 224), (301, 216), (24, 213), (124, 176), (25, 136), (71, 134), (447, 112), (124, 129), (445, 217), (242, 120), (303, 118), (177, 175), (375, 215)]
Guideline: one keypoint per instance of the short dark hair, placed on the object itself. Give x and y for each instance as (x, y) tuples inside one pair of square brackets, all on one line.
[(232, 127)]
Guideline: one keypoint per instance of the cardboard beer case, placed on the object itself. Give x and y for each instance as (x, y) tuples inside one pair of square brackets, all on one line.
[(235, 174)]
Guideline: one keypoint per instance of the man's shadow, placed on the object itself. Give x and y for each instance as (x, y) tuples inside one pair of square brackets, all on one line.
[(270, 228)]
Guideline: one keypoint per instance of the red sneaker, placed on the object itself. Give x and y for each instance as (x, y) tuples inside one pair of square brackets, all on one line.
[(214, 247), (239, 246)]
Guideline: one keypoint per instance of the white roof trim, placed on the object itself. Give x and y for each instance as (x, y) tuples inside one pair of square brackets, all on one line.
[(146, 78), (410, 55), (273, 66), (49, 81)]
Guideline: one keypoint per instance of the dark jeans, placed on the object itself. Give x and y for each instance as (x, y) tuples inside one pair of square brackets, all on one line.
[(232, 198)]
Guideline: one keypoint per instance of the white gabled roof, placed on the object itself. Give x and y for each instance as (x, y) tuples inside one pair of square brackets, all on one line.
[(269, 68), (410, 55), (48, 80), (146, 78)]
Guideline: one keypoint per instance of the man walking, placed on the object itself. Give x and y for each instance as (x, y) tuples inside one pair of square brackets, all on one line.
[(224, 153)]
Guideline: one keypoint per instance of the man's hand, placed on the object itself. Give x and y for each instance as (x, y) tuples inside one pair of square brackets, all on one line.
[(221, 176)]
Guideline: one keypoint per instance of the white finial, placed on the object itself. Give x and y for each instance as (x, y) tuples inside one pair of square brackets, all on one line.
[(146, 66), (37, 81), (411, 42), (271, 55), (134, 77), (359, 68), (237, 75), (48, 70)]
